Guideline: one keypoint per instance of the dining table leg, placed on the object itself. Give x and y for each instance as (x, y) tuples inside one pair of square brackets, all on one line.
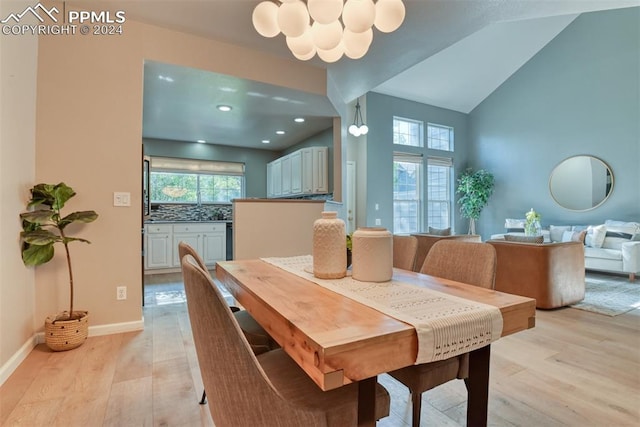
[(478, 387), (367, 402)]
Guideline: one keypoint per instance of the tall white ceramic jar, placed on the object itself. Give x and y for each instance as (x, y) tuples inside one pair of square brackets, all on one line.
[(329, 247), (372, 254)]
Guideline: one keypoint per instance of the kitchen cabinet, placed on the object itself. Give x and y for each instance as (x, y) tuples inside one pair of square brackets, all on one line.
[(276, 172), (286, 175), (195, 235), (303, 172), (158, 246), (317, 175), (270, 190), (161, 243), (296, 172)]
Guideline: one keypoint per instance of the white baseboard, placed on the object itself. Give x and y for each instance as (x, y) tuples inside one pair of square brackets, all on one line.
[(114, 328), (12, 364)]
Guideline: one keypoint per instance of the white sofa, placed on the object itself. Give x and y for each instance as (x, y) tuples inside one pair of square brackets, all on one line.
[(613, 246)]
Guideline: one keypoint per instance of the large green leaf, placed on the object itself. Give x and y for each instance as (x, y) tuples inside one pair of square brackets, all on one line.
[(36, 255), (42, 194), (40, 237), (62, 192), (51, 195), (39, 216), (82, 216), (74, 239)]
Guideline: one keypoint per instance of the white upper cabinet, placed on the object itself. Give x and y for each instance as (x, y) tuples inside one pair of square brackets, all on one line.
[(302, 172)]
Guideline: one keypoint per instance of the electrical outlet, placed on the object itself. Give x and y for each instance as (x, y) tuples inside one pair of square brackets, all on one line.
[(121, 292), (378, 221)]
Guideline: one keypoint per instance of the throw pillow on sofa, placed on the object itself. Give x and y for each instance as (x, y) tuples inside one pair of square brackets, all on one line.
[(440, 231), (524, 239), (556, 232), (619, 232), (574, 236), (595, 235)]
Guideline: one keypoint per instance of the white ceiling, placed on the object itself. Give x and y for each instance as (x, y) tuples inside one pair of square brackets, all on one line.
[(448, 53), (461, 76)]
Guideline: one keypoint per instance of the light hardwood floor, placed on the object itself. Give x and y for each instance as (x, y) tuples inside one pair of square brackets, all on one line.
[(574, 368)]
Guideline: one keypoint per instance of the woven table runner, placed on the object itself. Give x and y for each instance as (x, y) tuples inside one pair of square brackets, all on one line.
[(446, 325)]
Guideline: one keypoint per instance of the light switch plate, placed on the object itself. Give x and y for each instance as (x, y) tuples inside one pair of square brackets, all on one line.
[(121, 199)]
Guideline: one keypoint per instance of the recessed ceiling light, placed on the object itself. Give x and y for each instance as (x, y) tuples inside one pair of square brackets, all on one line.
[(165, 78), (201, 141), (280, 98), (224, 108), (299, 120), (265, 141), (280, 132)]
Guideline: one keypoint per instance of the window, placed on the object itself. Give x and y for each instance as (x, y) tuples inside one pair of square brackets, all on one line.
[(407, 200), (408, 132), (439, 137), (439, 173), (195, 181)]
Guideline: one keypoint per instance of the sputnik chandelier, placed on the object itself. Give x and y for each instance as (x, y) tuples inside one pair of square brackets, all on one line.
[(329, 28)]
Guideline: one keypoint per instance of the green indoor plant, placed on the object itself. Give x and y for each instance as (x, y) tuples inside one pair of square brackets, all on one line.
[(43, 225), (532, 225), (475, 189)]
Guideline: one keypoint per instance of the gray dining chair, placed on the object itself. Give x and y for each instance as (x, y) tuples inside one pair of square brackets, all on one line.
[(259, 340), (269, 389), (473, 263)]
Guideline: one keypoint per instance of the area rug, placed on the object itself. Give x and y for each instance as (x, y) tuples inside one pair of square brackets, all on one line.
[(610, 297)]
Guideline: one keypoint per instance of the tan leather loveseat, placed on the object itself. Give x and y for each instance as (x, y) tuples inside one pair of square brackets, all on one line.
[(552, 273)]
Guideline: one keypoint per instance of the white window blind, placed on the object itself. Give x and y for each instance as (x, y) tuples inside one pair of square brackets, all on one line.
[(169, 164)]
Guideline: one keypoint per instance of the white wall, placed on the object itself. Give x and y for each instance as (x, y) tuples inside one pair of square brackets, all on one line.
[(18, 57)]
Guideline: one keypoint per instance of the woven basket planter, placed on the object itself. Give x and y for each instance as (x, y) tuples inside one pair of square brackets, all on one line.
[(62, 335)]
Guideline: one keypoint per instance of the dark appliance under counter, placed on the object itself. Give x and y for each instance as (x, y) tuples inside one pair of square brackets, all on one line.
[(229, 241)]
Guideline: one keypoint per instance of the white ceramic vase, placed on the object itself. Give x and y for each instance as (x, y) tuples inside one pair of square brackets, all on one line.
[(372, 258), (329, 247)]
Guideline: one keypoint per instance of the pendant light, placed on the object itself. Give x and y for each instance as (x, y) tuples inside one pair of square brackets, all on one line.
[(358, 127)]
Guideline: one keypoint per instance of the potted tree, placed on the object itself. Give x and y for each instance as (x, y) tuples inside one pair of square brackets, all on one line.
[(43, 225), (475, 189)]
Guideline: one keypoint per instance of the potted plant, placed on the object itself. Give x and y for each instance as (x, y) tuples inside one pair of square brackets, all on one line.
[(43, 226), (475, 189), (532, 225), (349, 249)]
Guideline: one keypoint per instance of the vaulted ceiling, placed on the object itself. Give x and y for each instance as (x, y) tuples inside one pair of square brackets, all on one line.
[(448, 53)]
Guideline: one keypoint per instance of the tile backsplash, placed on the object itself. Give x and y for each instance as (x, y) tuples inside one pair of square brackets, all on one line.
[(178, 212)]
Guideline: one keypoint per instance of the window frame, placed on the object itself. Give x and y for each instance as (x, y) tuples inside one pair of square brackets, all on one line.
[(406, 120), (447, 162), (451, 138), (198, 169), (419, 192)]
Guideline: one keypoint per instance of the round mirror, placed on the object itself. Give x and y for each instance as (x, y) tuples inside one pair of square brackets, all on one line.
[(581, 183)]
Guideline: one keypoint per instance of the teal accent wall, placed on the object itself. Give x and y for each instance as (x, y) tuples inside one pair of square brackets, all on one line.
[(255, 160), (579, 95), (380, 149)]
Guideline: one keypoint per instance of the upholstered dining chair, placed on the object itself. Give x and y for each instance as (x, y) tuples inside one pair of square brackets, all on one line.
[(405, 249), (259, 340), (269, 389), (467, 262)]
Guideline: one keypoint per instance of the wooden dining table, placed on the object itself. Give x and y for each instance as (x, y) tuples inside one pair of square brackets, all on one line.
[(338, 341)]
